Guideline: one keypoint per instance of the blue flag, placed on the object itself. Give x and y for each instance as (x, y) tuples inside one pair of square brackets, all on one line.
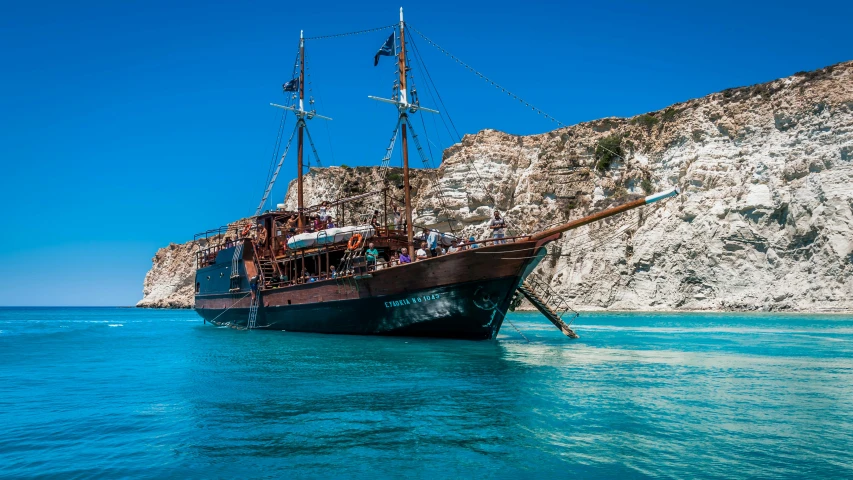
[(291, 86), (387, 49)]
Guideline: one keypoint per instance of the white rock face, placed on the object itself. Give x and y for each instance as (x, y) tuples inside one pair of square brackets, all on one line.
[(765, 221), (169, 283)]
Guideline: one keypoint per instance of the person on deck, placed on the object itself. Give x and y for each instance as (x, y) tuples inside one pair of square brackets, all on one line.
[(404, 256), (292, 223), (262, 235), (370, 255), (332, 272), (330, 223), (472, 242), (398, 218), (454, 247), (253, 284), (374, 221), (323, 215), (421, 254), (498, 226), (432, 241)]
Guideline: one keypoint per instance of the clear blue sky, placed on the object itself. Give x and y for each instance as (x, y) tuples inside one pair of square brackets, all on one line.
[(128, 125)]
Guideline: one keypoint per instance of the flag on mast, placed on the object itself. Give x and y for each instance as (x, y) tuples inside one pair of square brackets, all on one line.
[(387, 50), (291, 86)]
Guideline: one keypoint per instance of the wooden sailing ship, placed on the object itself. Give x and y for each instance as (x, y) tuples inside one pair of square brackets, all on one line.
[(291, 270)]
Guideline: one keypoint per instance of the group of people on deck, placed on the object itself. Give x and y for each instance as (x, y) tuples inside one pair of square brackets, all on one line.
[(431, 244)]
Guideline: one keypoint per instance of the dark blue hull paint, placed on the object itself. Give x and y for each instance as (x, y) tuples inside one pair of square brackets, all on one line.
[(468, 311)]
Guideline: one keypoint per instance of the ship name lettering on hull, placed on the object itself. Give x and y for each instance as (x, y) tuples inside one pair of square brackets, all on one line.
[(411, 300)]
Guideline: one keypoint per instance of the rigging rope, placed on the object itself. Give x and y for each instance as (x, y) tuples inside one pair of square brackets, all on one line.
[(311, 142), (436, 185), (282, 122), (445, 111), (499, 87), (277, 170), (595, 243), (357, 32), (276, 147), (470, 68)]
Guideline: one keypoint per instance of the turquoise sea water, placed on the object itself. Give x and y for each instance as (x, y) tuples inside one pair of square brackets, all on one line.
[(139, 393)]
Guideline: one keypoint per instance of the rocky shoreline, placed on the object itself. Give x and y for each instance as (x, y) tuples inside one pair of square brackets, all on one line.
[(765, 222)]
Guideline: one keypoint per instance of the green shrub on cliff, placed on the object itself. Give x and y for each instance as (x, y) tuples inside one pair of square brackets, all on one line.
[(646, 120), (606, 150), (669, 114)]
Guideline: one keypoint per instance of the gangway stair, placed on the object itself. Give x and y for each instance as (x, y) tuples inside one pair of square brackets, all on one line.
[(550, 303)]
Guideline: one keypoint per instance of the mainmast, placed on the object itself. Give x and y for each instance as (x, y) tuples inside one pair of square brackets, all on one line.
[(301, 122), (403, 109), (403, 119)]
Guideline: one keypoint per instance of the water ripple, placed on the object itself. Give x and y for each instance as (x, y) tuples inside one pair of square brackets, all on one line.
[(639, 396)]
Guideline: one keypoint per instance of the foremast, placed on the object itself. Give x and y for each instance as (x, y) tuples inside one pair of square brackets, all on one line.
[(301, 116)]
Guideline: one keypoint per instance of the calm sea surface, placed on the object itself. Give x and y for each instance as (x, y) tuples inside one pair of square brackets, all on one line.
[(139, 393)]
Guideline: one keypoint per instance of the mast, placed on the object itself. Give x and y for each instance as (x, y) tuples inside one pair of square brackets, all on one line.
[(403, 104), (299, 145), (403, 108), (302, 127)]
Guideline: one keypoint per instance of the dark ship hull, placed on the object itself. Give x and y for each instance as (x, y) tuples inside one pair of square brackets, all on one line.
[(471, 311), (463, 295)]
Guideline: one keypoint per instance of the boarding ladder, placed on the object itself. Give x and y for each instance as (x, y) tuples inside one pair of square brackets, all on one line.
[(552, 305), (253, 311)]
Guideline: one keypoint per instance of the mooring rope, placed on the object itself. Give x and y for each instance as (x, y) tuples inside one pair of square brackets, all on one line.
[(517, 330), (229, 308)]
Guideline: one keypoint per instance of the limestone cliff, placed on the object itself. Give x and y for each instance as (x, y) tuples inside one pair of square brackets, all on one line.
[(765, 221), (169, 283)]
